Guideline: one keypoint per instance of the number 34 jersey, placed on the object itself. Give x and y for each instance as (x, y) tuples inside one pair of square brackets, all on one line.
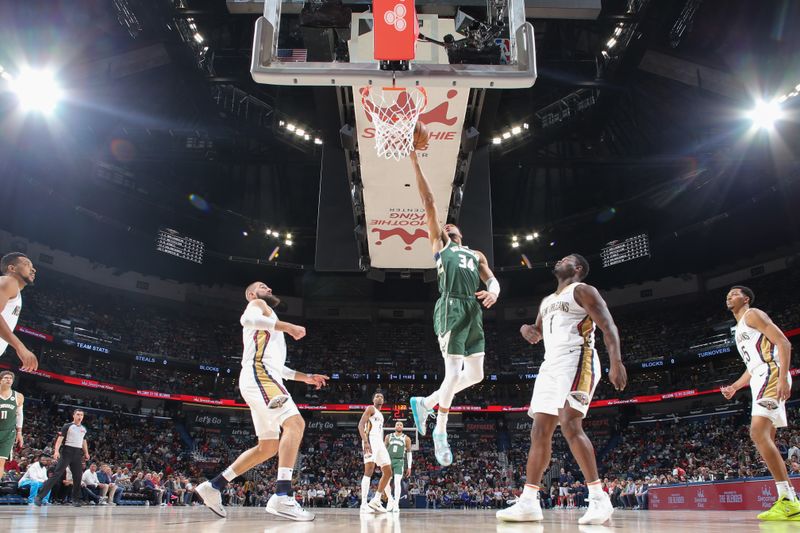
[(754, 347)]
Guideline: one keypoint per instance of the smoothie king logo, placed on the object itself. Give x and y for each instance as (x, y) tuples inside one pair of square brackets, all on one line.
[(404, 105), (409, 217)]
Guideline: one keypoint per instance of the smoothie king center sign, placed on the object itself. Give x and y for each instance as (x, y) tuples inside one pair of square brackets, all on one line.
[(397, 229)]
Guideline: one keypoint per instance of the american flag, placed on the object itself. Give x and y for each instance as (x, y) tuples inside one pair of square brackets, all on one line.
[(292, 55)]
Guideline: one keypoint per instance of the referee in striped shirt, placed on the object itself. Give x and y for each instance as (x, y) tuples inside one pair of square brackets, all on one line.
[(74, 451)]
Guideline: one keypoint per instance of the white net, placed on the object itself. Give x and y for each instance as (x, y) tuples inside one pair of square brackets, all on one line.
[(394, 112)]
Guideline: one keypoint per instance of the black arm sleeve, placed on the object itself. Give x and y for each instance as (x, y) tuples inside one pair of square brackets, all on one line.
[(63, 431)]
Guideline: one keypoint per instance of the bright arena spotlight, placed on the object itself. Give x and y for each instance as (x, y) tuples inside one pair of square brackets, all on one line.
[(36, 90), (765, 114)]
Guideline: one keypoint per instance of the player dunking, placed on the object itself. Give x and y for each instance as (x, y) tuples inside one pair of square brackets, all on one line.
[(271, 405), (11, 418), (370, 427), (399, 446), (565, 385), (16, 272), (458, 319), (766, 352)]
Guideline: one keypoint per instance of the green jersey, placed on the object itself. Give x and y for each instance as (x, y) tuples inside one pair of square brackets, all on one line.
[(397, 447), (8, 413), (457, 270)]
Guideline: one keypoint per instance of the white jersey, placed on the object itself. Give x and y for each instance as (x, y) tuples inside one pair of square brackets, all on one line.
[(11, 316), (754, 347), (375, 428), (567, 329), (265, 355)]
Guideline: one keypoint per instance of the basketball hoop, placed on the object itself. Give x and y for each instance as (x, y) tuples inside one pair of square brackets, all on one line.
[(394, 112)]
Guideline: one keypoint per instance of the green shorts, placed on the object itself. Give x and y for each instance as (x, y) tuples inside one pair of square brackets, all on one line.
[(458, 322), (7, 439), (398, 467)]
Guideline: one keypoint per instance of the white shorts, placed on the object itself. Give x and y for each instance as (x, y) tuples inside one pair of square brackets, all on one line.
[(572, 384), (379, 455), (764, 389), (269, 401)]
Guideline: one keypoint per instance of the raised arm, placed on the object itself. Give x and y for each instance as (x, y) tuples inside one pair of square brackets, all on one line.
[(759, 320), (587, 297), (488, 297), (258, 315), (435, 233)]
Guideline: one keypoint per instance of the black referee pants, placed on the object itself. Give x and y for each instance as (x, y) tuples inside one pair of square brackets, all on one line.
[(71, 458)]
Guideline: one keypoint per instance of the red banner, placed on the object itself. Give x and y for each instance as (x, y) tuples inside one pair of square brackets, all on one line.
[(752, 495), (191, 398), (33, 333)]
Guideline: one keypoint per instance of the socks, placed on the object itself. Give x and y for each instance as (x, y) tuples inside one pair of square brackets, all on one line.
[(530, 492), (364, 489), (388, 491), (441, 422), (430, 401), (221, 481), (284, 485), (595, 488), (785, 489)]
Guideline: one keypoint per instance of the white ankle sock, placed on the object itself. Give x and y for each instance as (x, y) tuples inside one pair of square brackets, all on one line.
[(595, 488), (785, 489), (530, 493)]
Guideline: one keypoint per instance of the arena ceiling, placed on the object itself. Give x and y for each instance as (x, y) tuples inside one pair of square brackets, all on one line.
[(149, 120)]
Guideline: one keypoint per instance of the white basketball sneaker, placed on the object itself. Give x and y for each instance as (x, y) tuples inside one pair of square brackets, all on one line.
[(525, 510), (391, 506), (376, 505), (599, 512), (365, 508), (444, 456), (287, 507), (211, 497)]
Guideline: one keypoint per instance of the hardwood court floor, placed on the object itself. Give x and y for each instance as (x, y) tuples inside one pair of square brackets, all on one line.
[(56, 519)]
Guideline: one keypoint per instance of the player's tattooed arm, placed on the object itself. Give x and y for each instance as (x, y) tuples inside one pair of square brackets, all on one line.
[(587, 297)]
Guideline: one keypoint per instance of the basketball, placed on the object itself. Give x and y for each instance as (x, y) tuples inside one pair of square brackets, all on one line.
[(421, 136)]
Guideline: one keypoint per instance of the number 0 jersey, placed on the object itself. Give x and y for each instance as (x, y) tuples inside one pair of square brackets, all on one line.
[(754, 347)]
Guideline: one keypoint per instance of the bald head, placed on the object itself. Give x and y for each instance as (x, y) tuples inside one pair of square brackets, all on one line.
[(258, 290), (250, 291)]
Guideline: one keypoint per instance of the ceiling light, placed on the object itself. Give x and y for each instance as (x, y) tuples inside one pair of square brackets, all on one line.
[(515, 244), (307, 136), (765, 114), (529, 237), (289, 242), (516, 130), (36, 90), (269, 232), (281, 123), (525, 126), (506, 135), (497, 140), (198, 37), (288, 236), (290, 127), (611, 42), (317, 140), (299, 132), (514, 238), (535, 235)]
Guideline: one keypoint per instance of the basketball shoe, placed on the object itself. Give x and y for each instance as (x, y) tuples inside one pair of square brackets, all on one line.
[(376, 505), (441, 448), (287, 507), (525, 510), (599, 512), (783, 509), (211, 497), (420, 413)]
